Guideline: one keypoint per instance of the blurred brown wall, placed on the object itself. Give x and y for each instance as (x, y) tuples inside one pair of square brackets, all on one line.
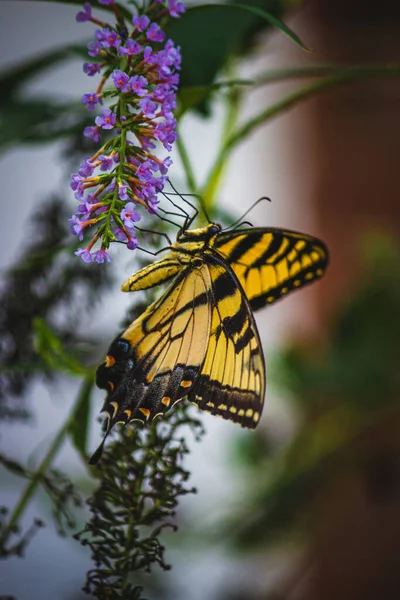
[(355, 553)]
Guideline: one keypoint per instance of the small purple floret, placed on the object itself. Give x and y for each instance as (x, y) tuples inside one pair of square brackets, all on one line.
[(106, 162), (90, 100), (92, 133), (85, 14), (129, 216), (131, 48), (148, 107), (94, 48), (91, 68), (101, 255), (133, 243), (86, 169), (155, 33), (138, 85), (176, 8), (108, 38), (107, 119), (121, 80), (141, 22), (84, 254), (123, 192)]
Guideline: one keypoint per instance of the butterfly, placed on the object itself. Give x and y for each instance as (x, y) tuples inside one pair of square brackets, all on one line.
[(199, 339)]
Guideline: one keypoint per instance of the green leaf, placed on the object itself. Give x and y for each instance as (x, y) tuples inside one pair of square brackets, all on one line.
[(79, 424), (210, 34), (14, 467), (50, 348), (39, 121), (274, 21), (14, 78)]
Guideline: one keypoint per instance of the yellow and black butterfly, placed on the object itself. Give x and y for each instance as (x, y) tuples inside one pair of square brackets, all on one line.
[(199, 339)]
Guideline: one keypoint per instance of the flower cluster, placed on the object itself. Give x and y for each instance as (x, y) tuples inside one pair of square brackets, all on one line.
[(142, 68)]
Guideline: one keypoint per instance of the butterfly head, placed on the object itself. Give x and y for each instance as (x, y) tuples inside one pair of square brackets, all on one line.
[(203, 234)]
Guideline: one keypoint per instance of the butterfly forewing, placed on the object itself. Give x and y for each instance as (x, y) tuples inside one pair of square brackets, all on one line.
[(270, 263), (164, 351), (231, 383)]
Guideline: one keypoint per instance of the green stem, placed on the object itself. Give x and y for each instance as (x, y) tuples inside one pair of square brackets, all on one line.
[(184, 156), (34, 483), (216, 174), (344, 77), (325, 70)]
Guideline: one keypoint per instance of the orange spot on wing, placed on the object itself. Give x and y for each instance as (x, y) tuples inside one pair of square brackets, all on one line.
[(110, 361)]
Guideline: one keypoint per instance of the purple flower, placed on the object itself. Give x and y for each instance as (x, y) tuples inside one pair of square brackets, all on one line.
[(129, 216), (90, 100), (155, 33), (175, 8), (107, 120), (92, 133), (101, 255), (106, 162), (145, 142), (106, 2), (152, 205), (148, 54), (121, 80), (148, 107), (131, 48), (108, 38), (165, 165), (132, 243), (77, 185), (85, 255), (122, 192), (94, 48), (91, 68), (138, 83), (165, 133), (85, 14), (143, 172), (85, 209), (141, 22), (86, 169), (76, 226)]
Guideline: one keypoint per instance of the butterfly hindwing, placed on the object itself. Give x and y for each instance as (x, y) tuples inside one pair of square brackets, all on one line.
[(270, 263), (231, 383)]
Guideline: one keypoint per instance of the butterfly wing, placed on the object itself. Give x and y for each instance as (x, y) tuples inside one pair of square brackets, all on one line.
[(231, 382), (156, 360), (270, 263)]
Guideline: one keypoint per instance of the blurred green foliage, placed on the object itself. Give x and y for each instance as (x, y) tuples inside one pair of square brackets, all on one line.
[(338, 387)]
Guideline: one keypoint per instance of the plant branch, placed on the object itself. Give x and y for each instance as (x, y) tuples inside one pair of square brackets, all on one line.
[(40, 473)]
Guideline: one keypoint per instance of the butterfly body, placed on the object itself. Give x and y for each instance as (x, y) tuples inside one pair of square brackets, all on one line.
[(199, 339)]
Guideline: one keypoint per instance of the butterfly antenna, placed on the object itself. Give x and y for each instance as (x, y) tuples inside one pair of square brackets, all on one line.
[(196, 210), (165, 218), (183, 212), (150, 252), (242, 223), (165, 235), (240, 220)]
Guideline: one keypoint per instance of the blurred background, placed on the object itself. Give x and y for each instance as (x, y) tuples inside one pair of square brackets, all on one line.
[(307, 506)]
